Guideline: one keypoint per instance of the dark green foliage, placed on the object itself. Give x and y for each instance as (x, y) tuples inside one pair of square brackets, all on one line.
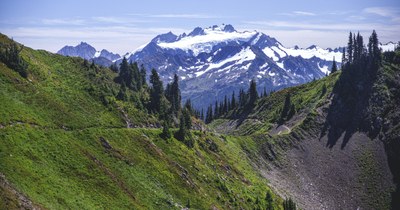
[(173, 94), (130, 75), (113, 67), (156, 92), (334, 66), (9, 55), (209, 114), (343, 57), (212, 146), (122, 93), (143, 75), (288, 109), (124, 73), (85, 63), (373, 49), (166, 134), (183, 134), (187, 117), (242, 98), (180, 135), (188, 204), (216, 110), (350, 48), (188, 106), (269, 200), (289, 204), (253, 95)]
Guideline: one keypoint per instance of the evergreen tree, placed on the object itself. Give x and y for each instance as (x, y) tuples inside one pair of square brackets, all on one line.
[(233, 101), (156, 91), (136, 82), (122, 93), (187, 117), (343, 57), (288, 204), (216, 110), (113, 67), (9, 55), (253, 95), (202, 115), (359, 45), (373, 48), (85, 63), (287, 106), (92, 66), (209, 114), (176, 93), (143, 75), (188, 106), (242, 98), (334, 66), (173, 95), (124, 73), (350, 48), (180, 135), (166, 134), (265, 92), (225, 106), (269, 200)]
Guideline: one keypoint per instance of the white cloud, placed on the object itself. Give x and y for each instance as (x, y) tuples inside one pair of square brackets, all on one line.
[(298, 13), (187, 16), (118, 39), (382, 11), (304, 13), (77, 21), (323, 26), (118, 20)]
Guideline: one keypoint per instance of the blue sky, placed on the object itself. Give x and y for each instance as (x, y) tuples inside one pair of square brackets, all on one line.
[(122, 25)]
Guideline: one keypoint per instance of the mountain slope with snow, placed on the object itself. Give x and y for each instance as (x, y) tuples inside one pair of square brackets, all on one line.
[(214, 61)]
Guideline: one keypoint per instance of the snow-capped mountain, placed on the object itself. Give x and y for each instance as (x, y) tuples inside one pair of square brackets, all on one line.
[(86, 51), (212, 62), (215, 61)]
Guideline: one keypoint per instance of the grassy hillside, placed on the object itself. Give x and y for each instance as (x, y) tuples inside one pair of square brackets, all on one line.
[(65, 145)]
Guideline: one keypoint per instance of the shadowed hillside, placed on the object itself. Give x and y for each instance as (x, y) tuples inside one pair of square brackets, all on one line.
[(338, 147)]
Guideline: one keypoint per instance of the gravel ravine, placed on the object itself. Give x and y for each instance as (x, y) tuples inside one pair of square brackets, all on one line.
[(319, 177)]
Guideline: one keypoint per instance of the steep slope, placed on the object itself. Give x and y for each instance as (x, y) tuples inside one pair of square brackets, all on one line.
[(86, 51), (340, 149), (65, 145), (217, 60)]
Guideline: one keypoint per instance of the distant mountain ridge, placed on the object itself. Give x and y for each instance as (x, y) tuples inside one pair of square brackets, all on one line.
[(86, 51), (212, 62)]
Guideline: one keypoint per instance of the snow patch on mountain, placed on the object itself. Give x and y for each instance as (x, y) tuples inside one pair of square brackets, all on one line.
[(390, 46), (315, 51), (324, 69), (206, 41)]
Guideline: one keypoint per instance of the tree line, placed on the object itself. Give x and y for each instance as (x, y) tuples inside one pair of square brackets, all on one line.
[(165, 103), (244, 102)]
